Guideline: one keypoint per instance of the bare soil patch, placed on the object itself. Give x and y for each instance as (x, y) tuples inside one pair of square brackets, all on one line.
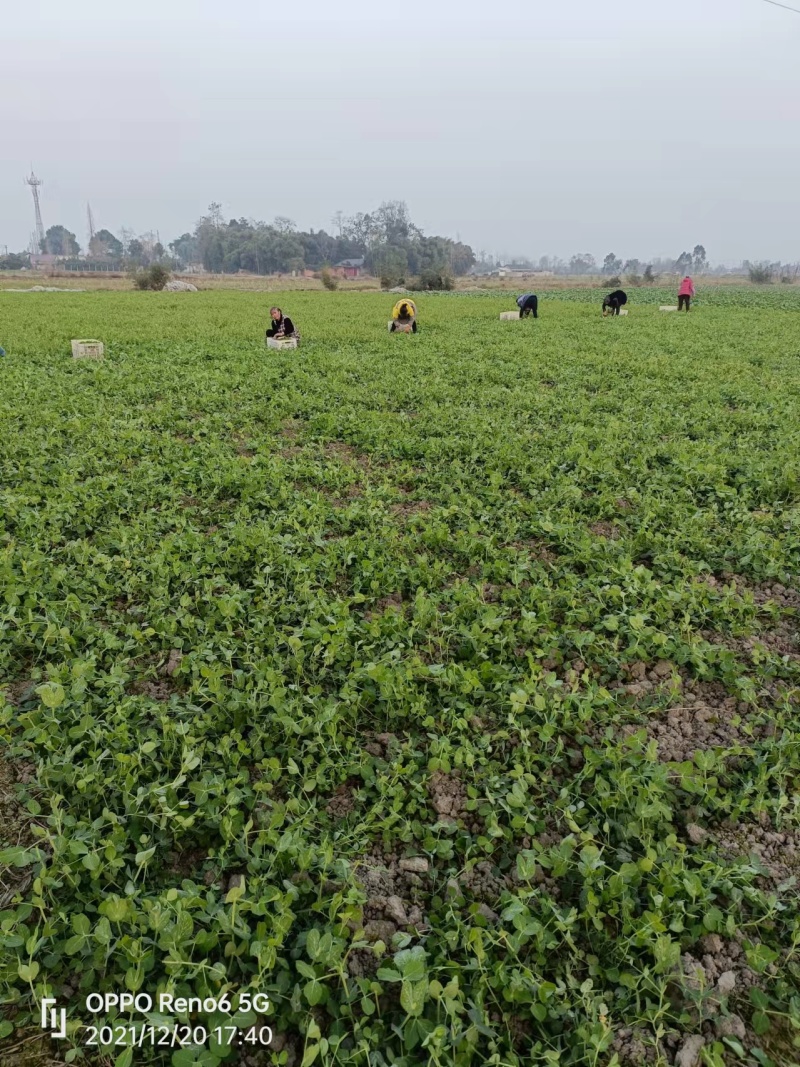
[(606, 530), (343, 801), (448, 796)]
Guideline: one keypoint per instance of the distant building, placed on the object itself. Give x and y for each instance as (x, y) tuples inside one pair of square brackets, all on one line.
[(350, 268), (513, 272), (43, 260)]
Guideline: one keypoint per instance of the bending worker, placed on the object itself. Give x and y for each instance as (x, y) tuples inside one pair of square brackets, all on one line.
[(282, 326), (528, 304), (685, 293), (404, 317), (613, 302)]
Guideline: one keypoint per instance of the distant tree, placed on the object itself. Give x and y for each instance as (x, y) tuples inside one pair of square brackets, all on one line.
[(184, 249), (135, 251), (435, 279), (390, 264), (554, 264), (649, 275), (58, 241), (387, 240), (684, 262), (214, 255), (394, 222), (13, 261), (699, 258), (284, 225), (632, 266), (105, 245), (760, 273), (214, 216), (361, 229), (612, 264), (154, 277), (583, 264)]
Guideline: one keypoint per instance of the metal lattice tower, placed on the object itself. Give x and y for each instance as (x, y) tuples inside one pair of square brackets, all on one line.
[(34, 183)]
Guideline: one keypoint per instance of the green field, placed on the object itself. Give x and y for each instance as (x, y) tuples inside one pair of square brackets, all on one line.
[(443, 688)]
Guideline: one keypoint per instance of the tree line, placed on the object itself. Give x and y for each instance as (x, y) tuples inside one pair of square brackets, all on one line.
[(390, 245), (388, 242), (613, 266)]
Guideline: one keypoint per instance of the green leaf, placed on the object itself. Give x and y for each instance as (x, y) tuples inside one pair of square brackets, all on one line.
[(51, 694), (314, 992), (6, 1028), (713, 919), (81, 924), (412, 996), (115, 910), (28, 972), (411, 963), (19, 857), (310, 1054), (760, 1022), (760, 957), (312, 943)]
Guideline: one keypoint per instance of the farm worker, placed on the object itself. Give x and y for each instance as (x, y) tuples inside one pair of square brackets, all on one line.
[(685, 293), (528, 304), (613, 302), (404, 317), (282, 326)]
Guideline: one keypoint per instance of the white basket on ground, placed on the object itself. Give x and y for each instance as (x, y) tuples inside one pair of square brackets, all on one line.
[(85, 349), (509, 315), (281, 342), (668, 307), (399, 327)]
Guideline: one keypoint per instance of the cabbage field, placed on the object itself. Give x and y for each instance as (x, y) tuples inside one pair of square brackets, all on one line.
[(400, 700)]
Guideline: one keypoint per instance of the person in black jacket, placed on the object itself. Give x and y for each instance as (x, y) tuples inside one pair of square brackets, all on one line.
[(528, 304), (282, 326), (613, 302)]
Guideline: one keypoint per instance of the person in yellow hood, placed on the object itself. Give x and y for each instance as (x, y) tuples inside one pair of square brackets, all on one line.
[(404, 317)]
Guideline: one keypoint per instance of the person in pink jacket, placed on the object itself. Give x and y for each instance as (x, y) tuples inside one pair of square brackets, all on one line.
[(685, 293)]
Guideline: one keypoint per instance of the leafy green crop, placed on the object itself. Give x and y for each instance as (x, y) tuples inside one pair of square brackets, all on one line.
[(444, 688)]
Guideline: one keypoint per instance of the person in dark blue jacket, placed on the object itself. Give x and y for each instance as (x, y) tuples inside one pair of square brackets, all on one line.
[(614, 301), (528, 304)]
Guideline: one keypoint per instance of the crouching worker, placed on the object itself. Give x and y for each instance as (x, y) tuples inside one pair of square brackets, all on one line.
[(282, 327), (528, 304), (685, 293), (613, 302), (404, 317)]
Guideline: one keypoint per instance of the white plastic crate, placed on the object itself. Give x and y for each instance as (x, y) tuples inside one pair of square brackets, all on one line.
[(509, 315), (623, 311), (85, 349), (668, 307), (281, 342)]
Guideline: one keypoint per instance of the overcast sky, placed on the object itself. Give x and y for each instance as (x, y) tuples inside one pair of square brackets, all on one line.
[(524, 126)]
